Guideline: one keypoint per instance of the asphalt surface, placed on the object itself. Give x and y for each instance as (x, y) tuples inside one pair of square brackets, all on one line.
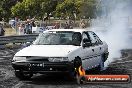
[(8, 79)]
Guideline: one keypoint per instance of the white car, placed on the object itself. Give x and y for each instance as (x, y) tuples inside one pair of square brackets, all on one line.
[(61, 50), (41, 29)]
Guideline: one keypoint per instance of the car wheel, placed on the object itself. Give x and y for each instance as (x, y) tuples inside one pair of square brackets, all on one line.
[(80, 79), (23, 76), (77, 62), (79, 71), (80, 76)]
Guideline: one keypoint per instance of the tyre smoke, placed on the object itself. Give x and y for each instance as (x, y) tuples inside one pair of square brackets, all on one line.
[(112, 26)]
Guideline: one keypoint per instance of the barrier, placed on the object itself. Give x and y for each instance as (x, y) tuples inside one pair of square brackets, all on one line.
[(17, 38)]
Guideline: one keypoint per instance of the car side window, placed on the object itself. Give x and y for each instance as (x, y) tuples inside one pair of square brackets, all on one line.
[(85, 36), (94, 38), (98, 39), (76, 38)]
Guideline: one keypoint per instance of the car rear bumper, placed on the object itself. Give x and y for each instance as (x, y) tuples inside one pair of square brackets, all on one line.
[(43, 67)]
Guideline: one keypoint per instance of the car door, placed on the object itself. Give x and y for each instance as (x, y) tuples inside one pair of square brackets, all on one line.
[(87, 60), (96, 48)]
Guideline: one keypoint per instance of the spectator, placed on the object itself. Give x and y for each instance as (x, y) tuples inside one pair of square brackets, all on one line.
[(33, 23), (21, 29), (82, 24), (67, 26), (28, 27), (71, 24), (2, 31), (56, 26)]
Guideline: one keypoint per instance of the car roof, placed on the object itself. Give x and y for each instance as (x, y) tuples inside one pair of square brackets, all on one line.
[(74, 30)]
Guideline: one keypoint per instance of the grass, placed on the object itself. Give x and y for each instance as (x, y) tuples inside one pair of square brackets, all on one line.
[(10, 31)]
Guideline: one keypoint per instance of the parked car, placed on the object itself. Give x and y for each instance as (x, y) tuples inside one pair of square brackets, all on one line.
[(41, 29), (60, 51)]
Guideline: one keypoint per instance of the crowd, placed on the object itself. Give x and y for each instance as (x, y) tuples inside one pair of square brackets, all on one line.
[(69, 24), (26, 26)]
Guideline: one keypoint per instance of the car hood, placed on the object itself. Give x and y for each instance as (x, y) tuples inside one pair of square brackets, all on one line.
[(47, 50)]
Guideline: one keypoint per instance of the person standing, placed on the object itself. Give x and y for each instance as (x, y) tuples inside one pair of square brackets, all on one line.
[(21, 29), (82, 24), (2, 31), (67, 26), (28, 27), (33, 23), (56, 25)]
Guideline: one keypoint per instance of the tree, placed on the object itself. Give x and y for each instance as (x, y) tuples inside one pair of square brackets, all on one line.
[(67, 7), (88, 9), (5, 8), (18, 10), (1, 10), (82, 8), (36, 8), (57, 8)]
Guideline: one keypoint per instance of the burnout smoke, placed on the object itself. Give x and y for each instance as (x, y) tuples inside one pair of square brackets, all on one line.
[(113, 26)]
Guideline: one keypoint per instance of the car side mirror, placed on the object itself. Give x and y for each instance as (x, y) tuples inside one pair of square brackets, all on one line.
[(86, 42)]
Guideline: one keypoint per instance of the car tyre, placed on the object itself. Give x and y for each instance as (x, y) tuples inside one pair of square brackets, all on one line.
[(77, 62), (80, 79)]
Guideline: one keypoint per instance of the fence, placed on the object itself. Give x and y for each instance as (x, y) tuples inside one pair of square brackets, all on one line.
[(17, 39)]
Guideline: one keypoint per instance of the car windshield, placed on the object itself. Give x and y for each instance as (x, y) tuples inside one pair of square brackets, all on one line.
[(59, 38)]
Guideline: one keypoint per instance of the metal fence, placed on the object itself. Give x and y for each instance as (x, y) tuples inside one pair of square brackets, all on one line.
[(17, 39)]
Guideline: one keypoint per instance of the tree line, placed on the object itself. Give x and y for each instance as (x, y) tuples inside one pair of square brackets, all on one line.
[(42, 9)]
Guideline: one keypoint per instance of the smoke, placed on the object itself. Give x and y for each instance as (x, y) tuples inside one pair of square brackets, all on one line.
[(113, 25)]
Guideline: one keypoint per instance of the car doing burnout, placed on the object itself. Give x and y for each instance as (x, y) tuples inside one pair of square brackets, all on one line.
[(60, 50)]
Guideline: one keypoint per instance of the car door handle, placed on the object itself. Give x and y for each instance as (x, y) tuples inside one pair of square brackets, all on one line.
[(93, 50)]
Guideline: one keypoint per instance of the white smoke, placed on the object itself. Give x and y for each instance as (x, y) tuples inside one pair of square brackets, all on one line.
[(113, 25)]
